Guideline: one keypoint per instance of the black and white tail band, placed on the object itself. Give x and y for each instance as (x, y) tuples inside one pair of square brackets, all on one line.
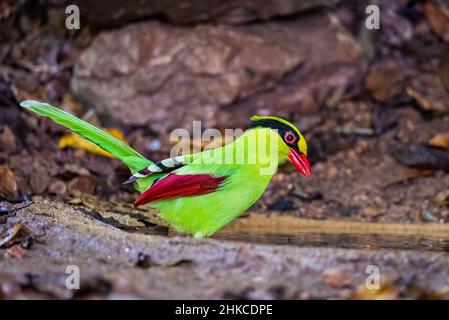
[(160, 166)]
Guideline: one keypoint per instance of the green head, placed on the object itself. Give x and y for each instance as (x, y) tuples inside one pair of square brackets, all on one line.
[(290, 139)]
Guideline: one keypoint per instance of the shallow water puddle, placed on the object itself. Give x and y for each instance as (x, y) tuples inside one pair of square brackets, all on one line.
[(345, 240), (286, 229), (289, 230)]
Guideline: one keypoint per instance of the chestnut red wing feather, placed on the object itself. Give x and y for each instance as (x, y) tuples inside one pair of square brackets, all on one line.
[(176, 186)]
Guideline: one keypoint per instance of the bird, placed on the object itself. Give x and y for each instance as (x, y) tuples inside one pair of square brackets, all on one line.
[(200, 193)]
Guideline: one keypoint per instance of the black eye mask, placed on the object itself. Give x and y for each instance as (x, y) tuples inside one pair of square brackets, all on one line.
[(288, 135)]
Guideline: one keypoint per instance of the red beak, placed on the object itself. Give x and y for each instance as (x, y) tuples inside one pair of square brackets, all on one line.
[(300, 161)]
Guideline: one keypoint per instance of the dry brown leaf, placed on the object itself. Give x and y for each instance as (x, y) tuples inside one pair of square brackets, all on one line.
[(407, 175), (386, 291), (336, 278), (7, 140), (442, 198), (8, 185), (437, 16), (81, 185), (10, 236), (92, 202), (76, 169), (441, 140), (57, 187), (383, 80), (429, 92)]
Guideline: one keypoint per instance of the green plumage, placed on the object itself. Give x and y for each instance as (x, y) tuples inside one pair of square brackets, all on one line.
[(247, 164), (204, 215), (130, 157)]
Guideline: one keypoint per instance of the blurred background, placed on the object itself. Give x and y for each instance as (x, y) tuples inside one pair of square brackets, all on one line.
[(372, 103)]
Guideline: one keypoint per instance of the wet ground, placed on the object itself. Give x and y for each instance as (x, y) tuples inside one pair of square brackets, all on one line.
[(291, 231), (117, 264)]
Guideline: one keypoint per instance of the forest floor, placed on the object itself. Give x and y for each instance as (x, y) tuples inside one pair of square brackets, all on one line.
[(122, 264)]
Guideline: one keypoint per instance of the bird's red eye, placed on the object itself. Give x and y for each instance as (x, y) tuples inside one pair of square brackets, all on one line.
[(289, 137)]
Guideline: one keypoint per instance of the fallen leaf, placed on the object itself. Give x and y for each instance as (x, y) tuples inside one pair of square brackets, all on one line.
[(81, 185), (383, 80), (57, 187), (75, 169), (437, 16), (8, 185), (13, 235), (423, 157), (385, 292), (336, 278), (7, 140), (91, 203), (75, 141), (429, 92), (442, 198), (406, 176), (40, 176), (441, 140)]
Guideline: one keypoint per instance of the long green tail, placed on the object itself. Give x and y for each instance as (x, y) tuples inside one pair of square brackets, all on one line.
[(134, 160)]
